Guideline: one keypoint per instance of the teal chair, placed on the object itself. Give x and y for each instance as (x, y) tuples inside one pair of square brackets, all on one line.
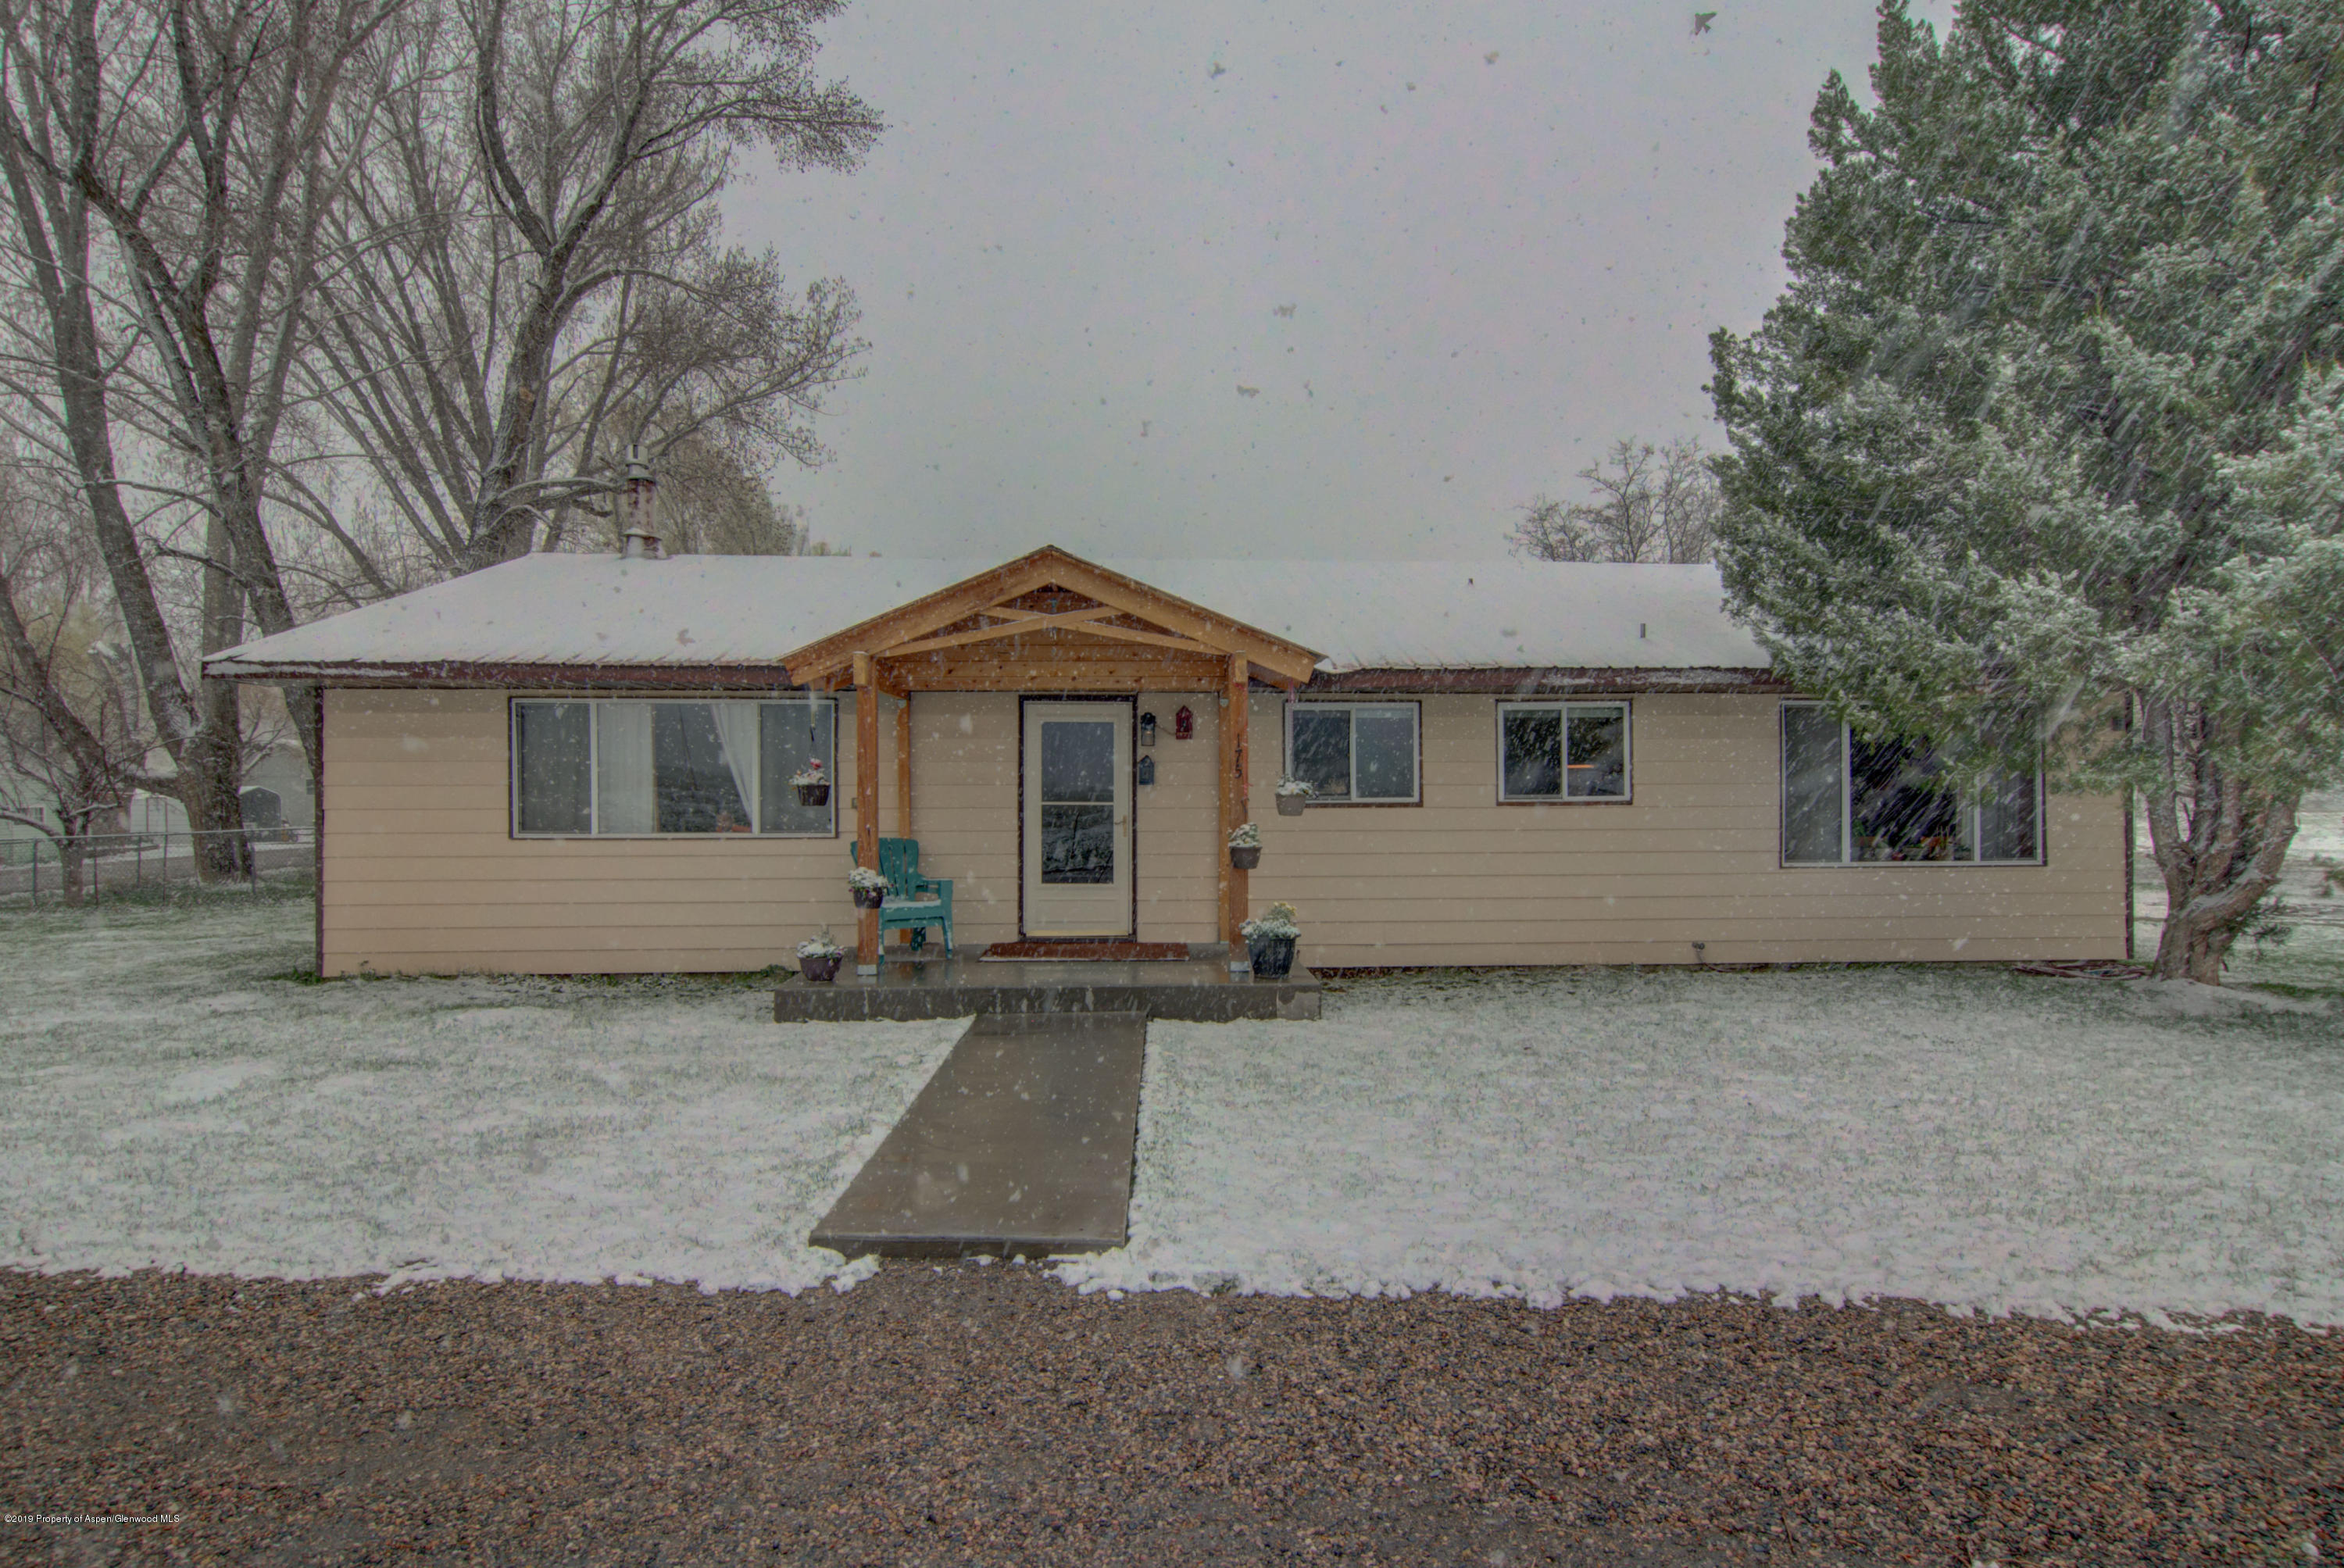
[(913, 902)]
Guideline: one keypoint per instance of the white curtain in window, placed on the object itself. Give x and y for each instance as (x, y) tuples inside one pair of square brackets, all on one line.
[(626, 798), (736, 733)]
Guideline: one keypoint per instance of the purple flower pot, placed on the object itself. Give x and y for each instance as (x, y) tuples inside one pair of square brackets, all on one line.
[(820, 967), (868, 898), (1245, 858), (814, 795)]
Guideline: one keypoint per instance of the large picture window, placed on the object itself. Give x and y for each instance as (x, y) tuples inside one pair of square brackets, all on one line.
[(1562, 750), (615, 768), (1847, 800), (1357, 753)]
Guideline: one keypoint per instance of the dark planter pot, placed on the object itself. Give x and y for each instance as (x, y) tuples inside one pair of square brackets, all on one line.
[(814, 795), (868, 898), (1273, 957), (1245, 858), (1292, 804), (821, 967)]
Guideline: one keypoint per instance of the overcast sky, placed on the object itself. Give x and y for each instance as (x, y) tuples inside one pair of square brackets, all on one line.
[(1236, 279)]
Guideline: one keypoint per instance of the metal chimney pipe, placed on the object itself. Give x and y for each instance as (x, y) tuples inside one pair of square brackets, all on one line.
[(641, 541)]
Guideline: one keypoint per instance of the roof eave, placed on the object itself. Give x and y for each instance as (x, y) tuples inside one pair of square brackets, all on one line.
[(1402, 680), (503, 675)]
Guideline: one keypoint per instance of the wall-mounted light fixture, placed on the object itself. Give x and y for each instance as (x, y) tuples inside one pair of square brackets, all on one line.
[(1147, 729), (1184, 725)]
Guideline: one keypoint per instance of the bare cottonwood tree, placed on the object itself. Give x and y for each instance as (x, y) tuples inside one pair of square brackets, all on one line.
[(1687, 502), (554, 287), (1644, 503), (201, 144), (72, 736)]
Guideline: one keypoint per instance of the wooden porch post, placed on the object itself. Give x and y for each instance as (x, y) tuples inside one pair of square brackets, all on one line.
[(903, 768), (866, 807), (1234, 796)]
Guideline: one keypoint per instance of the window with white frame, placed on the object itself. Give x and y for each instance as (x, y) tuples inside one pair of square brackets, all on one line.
[(1358, 754), (621, 768), (1562, 750), (1848, 800)]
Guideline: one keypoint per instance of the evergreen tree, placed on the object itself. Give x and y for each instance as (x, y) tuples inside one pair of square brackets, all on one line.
[(2047, 425)]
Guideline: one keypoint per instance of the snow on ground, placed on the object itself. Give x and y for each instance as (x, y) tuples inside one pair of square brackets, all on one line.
[(1983, 1139), (1987, 1140), (168, 1102)]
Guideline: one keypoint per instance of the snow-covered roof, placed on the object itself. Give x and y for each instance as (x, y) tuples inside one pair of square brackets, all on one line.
[(702, 610)]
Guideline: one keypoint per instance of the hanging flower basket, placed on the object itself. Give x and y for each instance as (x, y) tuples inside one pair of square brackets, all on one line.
[(870, 888), (1245, 847), (813, 789), (1294, 797)]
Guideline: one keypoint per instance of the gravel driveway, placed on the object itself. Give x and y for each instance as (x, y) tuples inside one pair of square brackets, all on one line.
[(976, 1414)]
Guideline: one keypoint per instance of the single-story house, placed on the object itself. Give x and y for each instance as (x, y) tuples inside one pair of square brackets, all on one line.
[(572, 764)]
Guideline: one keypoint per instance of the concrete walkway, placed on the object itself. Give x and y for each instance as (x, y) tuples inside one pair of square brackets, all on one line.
[(1021, 1144)]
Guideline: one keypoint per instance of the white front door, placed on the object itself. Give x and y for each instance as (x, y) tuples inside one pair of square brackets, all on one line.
[(1077, 773)]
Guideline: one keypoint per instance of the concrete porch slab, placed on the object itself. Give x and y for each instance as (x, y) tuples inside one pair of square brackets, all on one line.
[(1196, 990), (1020, 1144)]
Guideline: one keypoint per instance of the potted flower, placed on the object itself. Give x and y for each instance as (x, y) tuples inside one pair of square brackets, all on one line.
[(1293, 795), (813, 787), (1245, 847), (819, 956), (1271, 936), (870, 888)]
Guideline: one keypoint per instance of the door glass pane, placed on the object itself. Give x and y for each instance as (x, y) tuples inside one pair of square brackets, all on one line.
[(1533, 751), (1383, 745), (789, 736), (1598, 753), (1077, 844), (1810, 786), (550, 758), (696, 786), (1322, 750), (1077, 760)]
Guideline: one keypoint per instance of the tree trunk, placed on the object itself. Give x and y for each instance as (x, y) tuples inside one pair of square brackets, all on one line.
[(74, 865), (2219, 865)]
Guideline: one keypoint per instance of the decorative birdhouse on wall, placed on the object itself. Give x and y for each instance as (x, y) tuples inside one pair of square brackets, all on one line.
[(1144, 770), (1184, 725)]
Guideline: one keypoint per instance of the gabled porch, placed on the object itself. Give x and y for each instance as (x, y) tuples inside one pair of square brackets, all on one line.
[(1079, 646)]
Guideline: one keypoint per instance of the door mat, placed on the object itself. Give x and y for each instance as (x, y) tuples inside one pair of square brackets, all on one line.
[(1079, 952)]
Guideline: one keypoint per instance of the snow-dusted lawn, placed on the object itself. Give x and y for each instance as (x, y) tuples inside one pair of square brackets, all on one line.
[(1976, 1138), (163, 1100)]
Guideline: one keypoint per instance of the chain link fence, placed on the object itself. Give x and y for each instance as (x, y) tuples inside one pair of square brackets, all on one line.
[(37, 870)]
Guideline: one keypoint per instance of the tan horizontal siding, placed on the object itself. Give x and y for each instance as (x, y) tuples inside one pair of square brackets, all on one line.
[(1775, 949), (421, 873), (1176, 823), (1461, 878)]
